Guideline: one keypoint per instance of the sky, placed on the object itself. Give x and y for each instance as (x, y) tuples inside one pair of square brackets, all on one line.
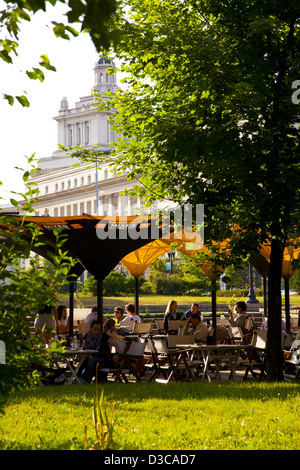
[(27, 131)]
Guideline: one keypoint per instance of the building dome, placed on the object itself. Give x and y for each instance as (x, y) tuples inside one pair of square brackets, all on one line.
[(104, 61)]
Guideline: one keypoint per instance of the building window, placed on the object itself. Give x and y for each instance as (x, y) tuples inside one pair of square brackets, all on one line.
[(62, 211), (75, 183), (56, 187), (62, 186), (78, 134), (89, 179), (105, 174), (70, 137), (88, 207), (87, 133), (55, 212), (69, 184), (74, 209), (81, 207), (82, 181), (46, 189)]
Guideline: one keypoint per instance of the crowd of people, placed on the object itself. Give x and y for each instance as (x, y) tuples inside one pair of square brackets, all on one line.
[(50, 320)]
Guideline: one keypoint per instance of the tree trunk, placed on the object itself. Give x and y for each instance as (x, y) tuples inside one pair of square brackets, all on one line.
[(273, 348)]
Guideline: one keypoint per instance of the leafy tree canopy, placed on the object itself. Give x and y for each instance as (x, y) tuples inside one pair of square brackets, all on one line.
[(208, 117)]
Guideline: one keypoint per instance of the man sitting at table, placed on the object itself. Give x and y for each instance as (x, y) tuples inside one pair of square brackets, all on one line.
[(194, 309), (241, 315), (194, 326)]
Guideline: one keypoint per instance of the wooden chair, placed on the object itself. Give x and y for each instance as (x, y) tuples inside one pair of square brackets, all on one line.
[(131, 363), (140, 328), (174, 340), (176, 325), (235, 334), (171, 363), (255, 363), (160, 325)]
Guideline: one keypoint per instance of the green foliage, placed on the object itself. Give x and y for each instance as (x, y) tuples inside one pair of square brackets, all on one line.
[(23, 292), (187, 279), (114, 284)]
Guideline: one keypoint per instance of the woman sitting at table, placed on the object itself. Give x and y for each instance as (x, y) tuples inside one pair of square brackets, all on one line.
[(170, 314), (62, 321), (100, 342)]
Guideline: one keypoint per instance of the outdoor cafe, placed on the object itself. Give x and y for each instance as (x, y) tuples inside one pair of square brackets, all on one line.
[(149, 352)]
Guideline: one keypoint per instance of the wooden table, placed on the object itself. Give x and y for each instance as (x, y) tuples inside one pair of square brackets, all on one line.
[(72, 359), (217, 354)]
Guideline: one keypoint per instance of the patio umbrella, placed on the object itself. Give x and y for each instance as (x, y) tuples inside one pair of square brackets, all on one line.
[(139, 260), (96, 243)]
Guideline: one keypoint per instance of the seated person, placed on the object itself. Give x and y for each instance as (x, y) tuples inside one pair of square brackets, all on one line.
[(130, 318), (110, 329), (170, 314), (118, 314), (44, 323), (62, 321), (93, 316), (194, 309), (241, 316), (264, 326), (194, 326), (100, 342)]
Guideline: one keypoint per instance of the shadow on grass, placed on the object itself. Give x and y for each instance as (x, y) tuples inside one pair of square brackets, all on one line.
[(137, 392)]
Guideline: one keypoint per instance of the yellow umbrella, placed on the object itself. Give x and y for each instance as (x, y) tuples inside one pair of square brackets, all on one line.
[(139, 260)]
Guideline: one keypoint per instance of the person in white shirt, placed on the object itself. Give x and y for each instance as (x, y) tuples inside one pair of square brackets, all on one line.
[(194, 326), (131, 317)]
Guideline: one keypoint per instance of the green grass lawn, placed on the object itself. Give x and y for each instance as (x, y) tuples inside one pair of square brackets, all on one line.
[(87, 301), (187, 416)]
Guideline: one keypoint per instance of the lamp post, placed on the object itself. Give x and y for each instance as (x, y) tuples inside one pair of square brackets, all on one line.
[(97, 197), (171, 255), (251, 295)]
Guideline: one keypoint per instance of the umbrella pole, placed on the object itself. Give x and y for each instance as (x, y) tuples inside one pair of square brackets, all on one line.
[(100, 302), (71, 303), (136, 294), (214, 308), (287, 304), (265, 297)]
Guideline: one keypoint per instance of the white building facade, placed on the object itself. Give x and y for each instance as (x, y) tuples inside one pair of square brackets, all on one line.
[(70, 190)]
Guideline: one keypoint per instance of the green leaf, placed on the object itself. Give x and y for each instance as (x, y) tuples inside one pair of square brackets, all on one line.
[(9, 98), (37, 74), (46, 63), (23, 101)]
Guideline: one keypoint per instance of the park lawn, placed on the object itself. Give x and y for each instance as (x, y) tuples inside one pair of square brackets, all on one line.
[(152, 416), (89, 301)]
